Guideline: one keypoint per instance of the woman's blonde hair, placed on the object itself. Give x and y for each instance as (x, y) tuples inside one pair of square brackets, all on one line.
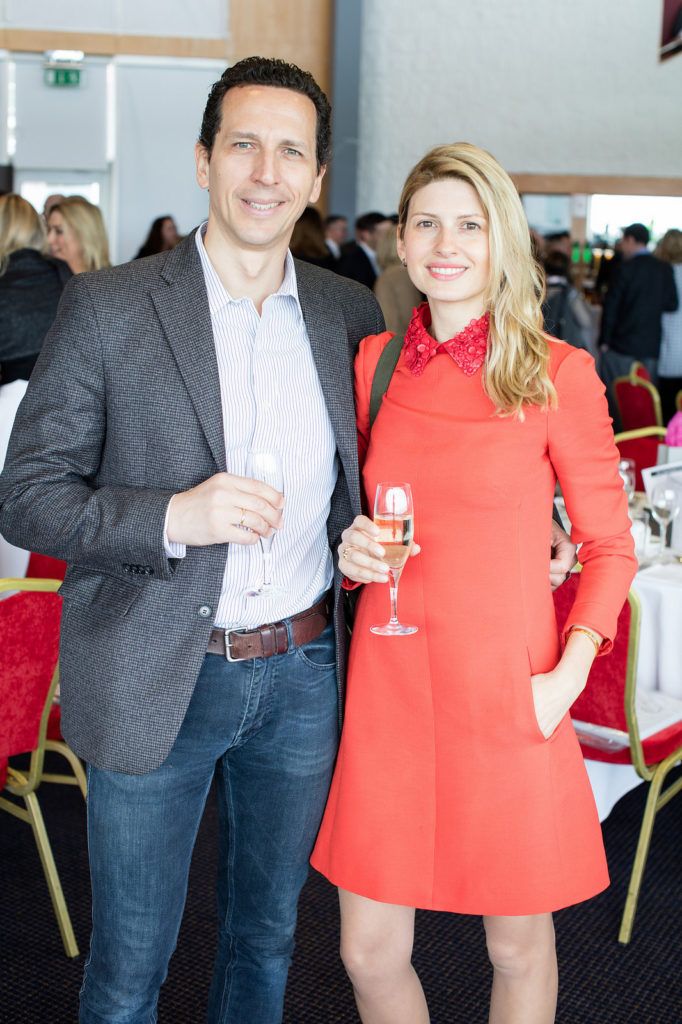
[(20, 228), (87, 224), (670, 246), (517, 362)]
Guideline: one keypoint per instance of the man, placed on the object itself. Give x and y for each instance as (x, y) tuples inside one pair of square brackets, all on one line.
[(359, 259), (335, 233), (642, 289), (157, 379), (128, 460)]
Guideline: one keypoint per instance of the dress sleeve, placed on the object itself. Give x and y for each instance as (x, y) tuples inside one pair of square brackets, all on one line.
[(585, 458)]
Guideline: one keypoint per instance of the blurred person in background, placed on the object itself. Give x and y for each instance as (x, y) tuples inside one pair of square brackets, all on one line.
[(393, 288), (642, 289), (30, 288), (308, 242), (76, 234), (359, 259), (336, 233), (558, 241), (669, 250), (565, 312), (52, 200), (163, 235)]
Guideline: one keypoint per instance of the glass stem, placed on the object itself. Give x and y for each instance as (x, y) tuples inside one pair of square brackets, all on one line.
[(267, 566), (394, 578)]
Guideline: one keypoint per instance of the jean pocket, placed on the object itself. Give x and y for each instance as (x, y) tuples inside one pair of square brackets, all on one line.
[(319, 653)]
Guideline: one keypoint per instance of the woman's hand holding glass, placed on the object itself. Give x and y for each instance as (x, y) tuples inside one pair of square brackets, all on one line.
[(361, 557)]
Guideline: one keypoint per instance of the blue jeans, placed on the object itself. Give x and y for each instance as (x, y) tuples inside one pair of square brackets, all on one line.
[(269, 731)]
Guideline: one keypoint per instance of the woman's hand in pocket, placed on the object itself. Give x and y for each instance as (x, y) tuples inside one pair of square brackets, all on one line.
[(553, 694)]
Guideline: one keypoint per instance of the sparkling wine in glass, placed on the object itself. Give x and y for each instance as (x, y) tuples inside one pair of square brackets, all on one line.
[(394, 515), (665, 505), (265, 466)]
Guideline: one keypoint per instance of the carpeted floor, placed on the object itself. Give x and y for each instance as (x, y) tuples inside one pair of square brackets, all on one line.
[(601, 981)]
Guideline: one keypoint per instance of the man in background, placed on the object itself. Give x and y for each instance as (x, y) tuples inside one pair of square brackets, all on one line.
[(359, 259), (641, 290), (335, 233)]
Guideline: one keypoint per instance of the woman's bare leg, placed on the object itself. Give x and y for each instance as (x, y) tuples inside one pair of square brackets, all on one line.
[(521, 950), (376, 949)]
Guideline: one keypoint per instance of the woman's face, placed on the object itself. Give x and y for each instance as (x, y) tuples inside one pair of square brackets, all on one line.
[(63, 242), (169, 233), (445, 244)]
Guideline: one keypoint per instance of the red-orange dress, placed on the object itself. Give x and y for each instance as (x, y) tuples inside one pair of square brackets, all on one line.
[(446, 795)]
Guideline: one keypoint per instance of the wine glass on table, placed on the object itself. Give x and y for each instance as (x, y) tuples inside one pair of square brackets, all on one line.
[(627, 470), (265, 466), (394, 515), (665, 505)]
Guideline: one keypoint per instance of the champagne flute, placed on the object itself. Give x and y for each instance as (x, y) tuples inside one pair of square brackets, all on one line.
[(627, 470), (265, 466), (665, 505), (394, 515)]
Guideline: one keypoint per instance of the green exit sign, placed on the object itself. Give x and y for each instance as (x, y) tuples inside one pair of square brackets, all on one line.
[(68, 77)]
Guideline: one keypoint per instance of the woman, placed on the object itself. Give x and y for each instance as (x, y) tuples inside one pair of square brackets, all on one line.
[(459, 784), (393, 288), (30, 288), (76, 234), (670, 358), (163, 235), (307, 240)]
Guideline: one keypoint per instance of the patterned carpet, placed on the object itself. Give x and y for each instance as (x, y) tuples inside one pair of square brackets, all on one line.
[(601, 982)]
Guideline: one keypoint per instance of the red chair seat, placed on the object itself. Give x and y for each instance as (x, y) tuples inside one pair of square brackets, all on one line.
[(54, 723), (45, 567), (3, 772)]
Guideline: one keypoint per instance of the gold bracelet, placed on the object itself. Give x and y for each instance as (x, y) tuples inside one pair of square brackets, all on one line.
[(594, 637)]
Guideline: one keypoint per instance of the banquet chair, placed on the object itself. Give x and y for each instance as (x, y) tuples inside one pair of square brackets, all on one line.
[(606, 722), (642, 446), (678, 401), (46, 567), (29, 676), (638, 401)]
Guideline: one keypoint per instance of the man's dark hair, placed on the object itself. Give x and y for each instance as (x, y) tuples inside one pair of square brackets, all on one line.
[(367, 221), (556, 236), (332, 219), (639, 232), (277, 73)]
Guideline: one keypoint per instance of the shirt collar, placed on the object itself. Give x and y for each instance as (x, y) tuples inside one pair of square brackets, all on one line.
[(218, 295)]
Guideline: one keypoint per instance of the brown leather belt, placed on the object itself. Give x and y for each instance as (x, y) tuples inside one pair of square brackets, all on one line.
[(273, 637)]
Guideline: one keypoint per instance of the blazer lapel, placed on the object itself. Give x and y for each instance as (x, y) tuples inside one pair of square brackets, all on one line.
[(328, 336), (182, 307)]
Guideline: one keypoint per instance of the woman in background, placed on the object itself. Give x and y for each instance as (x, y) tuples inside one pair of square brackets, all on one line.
[(76, 234), (30, 288), (670, 358), (307, 241), (459, 784), (163, 235)]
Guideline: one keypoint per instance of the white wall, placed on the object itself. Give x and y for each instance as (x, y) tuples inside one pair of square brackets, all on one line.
[(158, 115), (556, 86), (205, 19)]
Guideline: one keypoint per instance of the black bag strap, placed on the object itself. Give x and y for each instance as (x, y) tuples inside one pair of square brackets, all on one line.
[(388, 360)]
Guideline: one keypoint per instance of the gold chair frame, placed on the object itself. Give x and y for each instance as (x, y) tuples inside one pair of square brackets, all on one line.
[(639, 382), (655, 774), (23, 785), (678, 401), (633, 435)]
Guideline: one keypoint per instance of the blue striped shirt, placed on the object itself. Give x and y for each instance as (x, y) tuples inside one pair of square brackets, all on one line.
[(272, 399)]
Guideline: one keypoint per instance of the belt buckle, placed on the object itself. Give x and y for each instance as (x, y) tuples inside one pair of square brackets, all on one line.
[(228, 645)]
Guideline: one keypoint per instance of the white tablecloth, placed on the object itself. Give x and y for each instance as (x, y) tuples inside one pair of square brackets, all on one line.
[(659, 667)]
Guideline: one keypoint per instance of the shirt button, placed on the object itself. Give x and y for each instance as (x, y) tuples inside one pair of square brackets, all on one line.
[(205, 610)]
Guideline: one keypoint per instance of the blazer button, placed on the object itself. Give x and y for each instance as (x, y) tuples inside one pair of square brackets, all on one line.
[(205, 610)]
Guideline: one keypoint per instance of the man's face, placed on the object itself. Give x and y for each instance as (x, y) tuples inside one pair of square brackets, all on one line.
[(262, 172), (372, 236), (338, 230)]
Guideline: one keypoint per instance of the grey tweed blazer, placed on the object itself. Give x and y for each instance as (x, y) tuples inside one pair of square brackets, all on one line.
[(123, 410)]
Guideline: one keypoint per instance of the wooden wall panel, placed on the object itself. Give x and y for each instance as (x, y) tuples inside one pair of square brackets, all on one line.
[(600, 184), (106, 44)]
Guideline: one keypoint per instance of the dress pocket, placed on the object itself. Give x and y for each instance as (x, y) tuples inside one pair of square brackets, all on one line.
[(531, 709)]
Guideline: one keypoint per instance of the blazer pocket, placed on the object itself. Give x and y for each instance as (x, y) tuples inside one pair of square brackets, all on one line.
[(109, 594)]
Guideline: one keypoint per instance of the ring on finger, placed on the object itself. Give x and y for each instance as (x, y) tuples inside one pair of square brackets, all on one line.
[(346, 549), (241, 521)]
